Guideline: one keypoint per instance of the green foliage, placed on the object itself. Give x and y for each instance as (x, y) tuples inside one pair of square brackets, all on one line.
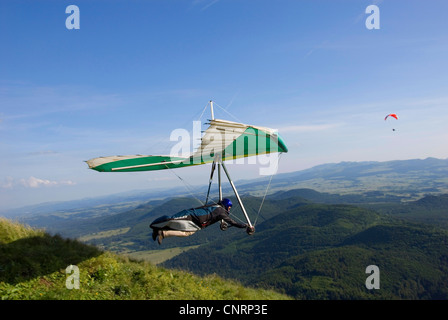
[(322, 251), (431, 209), (33, 266)]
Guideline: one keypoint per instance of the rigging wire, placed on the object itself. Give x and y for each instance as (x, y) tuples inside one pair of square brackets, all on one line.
[(187, 186), (203, 110), (215, 104), (266, 192)]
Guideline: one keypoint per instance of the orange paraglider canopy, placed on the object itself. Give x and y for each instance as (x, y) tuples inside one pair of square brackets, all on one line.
[(391, 115)]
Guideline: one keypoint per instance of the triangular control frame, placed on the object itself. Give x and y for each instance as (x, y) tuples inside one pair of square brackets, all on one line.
[(218, 162)]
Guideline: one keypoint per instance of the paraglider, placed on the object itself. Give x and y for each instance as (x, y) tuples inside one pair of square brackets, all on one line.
[(393, 115)]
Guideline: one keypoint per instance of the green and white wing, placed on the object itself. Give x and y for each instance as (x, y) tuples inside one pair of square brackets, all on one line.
[(233, 140), (135, 163), (229, 140)]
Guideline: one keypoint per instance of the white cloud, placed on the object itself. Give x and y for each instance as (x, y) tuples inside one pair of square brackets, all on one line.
[(8, 184), (33, 182), (309, 128)]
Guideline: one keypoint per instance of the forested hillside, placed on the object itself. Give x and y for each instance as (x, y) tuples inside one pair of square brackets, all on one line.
[(322, 251)]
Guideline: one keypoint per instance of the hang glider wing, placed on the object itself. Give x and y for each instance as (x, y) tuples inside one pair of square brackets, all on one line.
[(230, 140)]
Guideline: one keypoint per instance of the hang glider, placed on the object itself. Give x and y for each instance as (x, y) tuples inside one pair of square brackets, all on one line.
[(230, 140), (222, 140)]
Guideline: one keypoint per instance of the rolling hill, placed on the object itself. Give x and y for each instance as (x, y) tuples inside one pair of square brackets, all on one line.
[(321, 251)]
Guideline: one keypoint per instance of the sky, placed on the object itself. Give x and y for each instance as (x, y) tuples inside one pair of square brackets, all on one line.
[(324, 73)]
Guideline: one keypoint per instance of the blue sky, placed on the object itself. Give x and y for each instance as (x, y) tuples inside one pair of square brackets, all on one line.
[(137, 70)]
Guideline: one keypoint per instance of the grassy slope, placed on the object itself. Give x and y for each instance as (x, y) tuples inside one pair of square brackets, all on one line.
[(33, 266)]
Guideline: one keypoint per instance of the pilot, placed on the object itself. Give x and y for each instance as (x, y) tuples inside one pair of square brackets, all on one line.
[(187, 222)]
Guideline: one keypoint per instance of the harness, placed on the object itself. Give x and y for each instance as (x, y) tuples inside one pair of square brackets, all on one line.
[(203, 216)]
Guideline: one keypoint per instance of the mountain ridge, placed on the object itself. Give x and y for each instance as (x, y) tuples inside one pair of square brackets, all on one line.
[(311, 178)]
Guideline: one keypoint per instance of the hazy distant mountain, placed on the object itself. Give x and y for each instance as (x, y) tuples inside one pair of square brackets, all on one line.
[(412, 178)]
